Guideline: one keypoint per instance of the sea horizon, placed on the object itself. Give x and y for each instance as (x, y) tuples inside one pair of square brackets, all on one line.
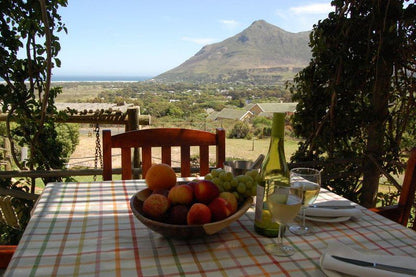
[(99, 78)]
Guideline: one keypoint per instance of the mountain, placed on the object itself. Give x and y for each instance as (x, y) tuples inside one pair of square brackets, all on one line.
[(262, 54)]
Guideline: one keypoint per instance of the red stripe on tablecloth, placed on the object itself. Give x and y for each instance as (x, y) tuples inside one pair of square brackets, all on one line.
[(117, 258), (82, 232), (236, 261), (271, 257), (198, 264), (244, 245), (99, 233), (65, 236), (132, 230)]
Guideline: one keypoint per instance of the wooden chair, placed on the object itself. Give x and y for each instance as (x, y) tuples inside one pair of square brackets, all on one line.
[(166, 138), (401, 212)]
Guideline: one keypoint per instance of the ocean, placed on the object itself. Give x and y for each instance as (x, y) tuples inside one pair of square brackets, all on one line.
[(87, 78)]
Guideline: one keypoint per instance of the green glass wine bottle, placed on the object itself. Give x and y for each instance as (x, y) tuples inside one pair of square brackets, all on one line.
[(274, 170)]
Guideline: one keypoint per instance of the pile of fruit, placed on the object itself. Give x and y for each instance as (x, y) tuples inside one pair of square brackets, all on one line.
[(242, 186), (197, 202)]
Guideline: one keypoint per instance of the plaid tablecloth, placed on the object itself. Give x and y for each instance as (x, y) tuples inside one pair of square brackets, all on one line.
[(87, 229)]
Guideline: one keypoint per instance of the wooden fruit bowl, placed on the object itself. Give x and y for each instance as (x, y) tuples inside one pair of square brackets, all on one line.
[(182, 231)]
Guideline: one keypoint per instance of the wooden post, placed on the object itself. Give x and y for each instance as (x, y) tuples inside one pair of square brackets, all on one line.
[(133, 115)]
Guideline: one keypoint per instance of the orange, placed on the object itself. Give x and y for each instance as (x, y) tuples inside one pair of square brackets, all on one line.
[(160, 176)]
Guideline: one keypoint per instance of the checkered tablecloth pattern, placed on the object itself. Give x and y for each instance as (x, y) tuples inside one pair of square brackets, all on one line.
[(87, 229)]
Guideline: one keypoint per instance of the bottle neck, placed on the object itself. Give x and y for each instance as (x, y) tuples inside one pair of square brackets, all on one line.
[(275, 161), (278, 126)]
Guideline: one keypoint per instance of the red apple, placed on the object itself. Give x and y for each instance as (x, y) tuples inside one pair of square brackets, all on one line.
[(192, 184), (205, 191), (181, 194), (230, 197), (156, 205), (198, 214), (220, 209)]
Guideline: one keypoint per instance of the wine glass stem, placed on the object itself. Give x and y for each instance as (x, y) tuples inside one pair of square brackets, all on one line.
[(279, 236), (303, 217)]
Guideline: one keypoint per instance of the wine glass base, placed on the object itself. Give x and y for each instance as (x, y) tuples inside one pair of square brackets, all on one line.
[(300, 230), (280, 250)]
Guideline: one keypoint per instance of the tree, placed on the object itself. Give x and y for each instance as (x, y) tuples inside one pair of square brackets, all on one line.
[(28, 29), (357, 95)]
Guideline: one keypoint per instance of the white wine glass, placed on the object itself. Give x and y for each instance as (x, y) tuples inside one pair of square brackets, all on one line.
[(309, 180), (284, 204)]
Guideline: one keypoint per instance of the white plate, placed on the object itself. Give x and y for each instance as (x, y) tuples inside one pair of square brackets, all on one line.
[(327, 219)]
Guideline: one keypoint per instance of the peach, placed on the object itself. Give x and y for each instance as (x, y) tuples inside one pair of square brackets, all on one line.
[(181, 194), (220, 209), (230, 197), (177, 215), (155, 206), (198, 214), (205, 191)]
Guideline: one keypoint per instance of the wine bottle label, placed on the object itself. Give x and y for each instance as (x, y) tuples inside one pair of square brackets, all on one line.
[(259, 203)]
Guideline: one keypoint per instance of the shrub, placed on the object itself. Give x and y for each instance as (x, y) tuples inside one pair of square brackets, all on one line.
[(240, 130)]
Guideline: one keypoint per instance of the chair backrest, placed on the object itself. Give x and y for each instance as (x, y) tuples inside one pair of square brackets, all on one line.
[(401, 212), (165, 138), (407, 195)]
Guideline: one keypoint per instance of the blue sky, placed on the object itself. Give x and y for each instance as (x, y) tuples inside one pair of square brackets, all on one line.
[(149, 37)]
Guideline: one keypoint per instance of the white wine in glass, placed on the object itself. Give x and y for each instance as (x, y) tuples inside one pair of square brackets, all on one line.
[(308, 180), (284, 205)]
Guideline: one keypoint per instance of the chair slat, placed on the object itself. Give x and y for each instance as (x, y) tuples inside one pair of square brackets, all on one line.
[(185, 161), (167, 155), (125, 163), (204, 159), (166, 138), (146, 159)]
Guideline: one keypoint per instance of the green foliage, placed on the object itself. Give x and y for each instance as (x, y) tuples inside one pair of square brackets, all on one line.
[(262, 126), (240, 130), (68, 137), (157, 98), (28, 100), (356, 98), (11, 235)]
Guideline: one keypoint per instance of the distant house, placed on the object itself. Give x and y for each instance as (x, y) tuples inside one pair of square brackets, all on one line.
[(234, 114), (267, 109)]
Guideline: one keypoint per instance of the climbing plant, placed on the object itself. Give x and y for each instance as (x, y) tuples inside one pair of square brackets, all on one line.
[(29, 47), (357, 96)]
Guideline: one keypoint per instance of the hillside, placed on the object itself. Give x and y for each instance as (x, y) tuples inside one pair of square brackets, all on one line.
[(262, 53)]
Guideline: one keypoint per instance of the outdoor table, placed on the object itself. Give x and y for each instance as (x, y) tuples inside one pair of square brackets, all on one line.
[(88, 229)]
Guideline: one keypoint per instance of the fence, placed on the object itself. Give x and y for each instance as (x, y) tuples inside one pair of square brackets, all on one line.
[(131, 119)]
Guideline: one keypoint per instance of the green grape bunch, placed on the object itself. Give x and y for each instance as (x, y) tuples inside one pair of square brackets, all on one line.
[(242, 186)]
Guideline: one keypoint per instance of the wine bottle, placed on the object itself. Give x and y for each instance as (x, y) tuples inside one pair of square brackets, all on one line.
[(274, 170)]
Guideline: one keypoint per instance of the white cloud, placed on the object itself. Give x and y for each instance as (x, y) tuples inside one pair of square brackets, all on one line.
[(202, 41), (302, 18), (323, 8), (230, 23)]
